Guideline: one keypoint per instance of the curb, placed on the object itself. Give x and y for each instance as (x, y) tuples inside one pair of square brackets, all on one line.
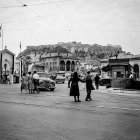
[(119, 92)]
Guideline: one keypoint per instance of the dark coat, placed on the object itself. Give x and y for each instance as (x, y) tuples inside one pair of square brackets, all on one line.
[(74, 87), (97, 80), (89, 85)]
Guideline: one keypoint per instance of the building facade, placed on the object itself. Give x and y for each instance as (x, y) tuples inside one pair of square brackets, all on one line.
[(55, 60), (120, 68), (7, 63), (60, 59)]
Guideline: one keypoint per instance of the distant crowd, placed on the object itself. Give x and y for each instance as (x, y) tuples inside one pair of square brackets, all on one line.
[(30, 82)]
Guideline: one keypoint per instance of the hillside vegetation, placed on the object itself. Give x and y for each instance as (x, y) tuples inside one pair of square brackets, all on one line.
[(84, 51)]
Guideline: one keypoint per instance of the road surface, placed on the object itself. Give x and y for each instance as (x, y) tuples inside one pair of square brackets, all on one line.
[(55, 115)]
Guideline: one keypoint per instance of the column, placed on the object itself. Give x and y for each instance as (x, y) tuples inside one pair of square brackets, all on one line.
[(65, 66)]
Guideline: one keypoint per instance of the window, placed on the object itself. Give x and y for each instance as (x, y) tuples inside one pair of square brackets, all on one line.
[(118, 74)]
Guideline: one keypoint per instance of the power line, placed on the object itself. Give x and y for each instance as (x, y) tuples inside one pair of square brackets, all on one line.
[(37, 4), (90, 29), (73, 30), (10, 6), (39, 16), (52, 2), (35, 13)]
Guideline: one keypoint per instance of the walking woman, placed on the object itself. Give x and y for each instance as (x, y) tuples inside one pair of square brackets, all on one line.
[(24, 83), (74, 87), (30, 82)]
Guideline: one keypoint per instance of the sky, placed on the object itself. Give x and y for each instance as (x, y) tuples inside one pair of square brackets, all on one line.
[(43, 22)]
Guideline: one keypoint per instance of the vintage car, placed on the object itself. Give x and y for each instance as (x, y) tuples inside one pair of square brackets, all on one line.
[(45, 82), (105, 81), (60, 78)]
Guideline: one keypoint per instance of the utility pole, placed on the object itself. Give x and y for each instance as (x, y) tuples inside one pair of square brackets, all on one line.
[(1, 35), (20, 64)]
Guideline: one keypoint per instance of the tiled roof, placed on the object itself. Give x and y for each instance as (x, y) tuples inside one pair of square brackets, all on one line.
[(7, 51)]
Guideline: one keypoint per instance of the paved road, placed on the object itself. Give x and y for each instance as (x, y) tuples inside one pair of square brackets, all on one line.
[(54, 115)]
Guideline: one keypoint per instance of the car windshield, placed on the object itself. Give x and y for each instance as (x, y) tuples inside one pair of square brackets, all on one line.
[(44, 75)]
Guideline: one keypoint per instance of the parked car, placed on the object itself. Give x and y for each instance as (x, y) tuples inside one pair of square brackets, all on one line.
[(67, 74), (45, 82), (105, 81), (60, 78)]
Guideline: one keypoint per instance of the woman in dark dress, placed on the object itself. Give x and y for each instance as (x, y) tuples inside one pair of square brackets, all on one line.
[(74, 88)]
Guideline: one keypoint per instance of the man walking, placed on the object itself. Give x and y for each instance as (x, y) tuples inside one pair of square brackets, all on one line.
[(89, 86), (97, 81), (35, 81)]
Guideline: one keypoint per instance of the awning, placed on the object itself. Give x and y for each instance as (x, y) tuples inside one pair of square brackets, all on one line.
[(30, 67), (106, 68)]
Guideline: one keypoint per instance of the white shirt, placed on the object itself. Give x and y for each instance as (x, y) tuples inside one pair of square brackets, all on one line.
[(35, 76), (131, 76)]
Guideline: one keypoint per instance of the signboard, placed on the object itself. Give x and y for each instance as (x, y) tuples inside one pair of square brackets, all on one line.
[(118, 61)]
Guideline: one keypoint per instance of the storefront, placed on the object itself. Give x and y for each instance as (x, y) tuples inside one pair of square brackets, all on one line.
[(118, 70)]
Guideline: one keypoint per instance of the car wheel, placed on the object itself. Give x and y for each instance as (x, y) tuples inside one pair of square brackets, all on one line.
[(52, 89)]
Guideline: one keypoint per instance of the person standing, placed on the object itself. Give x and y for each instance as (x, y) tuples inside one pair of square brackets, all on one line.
[(89, 86), (74, 87), (132, 81), (35, 81), (97, 81), (24, 83), (8, 80), (131, 76), (30, 82)]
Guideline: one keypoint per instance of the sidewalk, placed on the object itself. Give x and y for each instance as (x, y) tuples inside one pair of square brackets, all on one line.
[(129, 92)]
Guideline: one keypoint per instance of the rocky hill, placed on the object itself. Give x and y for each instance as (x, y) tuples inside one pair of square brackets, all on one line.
[(84, 51)]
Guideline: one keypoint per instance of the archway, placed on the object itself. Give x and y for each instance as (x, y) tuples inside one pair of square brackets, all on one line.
[(77, 65), (68, 66), (62, 65), (136, 71), (72, 66)]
